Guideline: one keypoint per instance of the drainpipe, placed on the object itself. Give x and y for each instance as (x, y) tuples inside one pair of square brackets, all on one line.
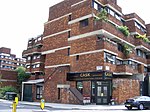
[(22, 91)]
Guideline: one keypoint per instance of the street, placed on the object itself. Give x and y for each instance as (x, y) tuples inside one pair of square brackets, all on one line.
[(7, 107)]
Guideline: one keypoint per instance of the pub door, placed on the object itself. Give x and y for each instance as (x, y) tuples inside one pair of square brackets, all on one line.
[(103, 92)]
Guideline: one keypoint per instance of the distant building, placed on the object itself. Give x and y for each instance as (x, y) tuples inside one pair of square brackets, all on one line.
[(82, 57), (8, 78), (9, 61)]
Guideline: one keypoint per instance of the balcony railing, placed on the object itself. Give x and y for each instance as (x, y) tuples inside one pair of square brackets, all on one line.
[(141, 42), (148, 61), (125, 69), (112, 31), (34, 50), (104, 44)]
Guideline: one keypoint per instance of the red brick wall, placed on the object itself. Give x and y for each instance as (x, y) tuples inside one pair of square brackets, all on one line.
[(124, 89), (50, 86)]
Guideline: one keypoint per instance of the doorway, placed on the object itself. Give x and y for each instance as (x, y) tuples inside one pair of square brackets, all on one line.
[(27, 94), (101, 92)]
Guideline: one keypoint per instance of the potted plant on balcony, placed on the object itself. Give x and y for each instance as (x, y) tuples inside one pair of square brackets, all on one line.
[(127, 49), (124, 30), (103, 15), (143, 37)]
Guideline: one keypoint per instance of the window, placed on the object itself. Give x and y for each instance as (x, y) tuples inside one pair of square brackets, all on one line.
[(80, 86), (119, 62), (33, 66), (140, 53), (69, 18), (84, 23), (29, 58), (38, 56), (68, 34), (34, 57), (37, 65), (95, 5), (68, 51), (39, 90), (118, 17), (111, 12), (120, 47), (77, 57), (110, 58), (145, 69), (58, 93)]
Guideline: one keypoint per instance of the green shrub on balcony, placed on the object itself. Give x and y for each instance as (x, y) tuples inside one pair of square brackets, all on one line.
[(103, 15), (124, 30), (143, 37), (127, 49)]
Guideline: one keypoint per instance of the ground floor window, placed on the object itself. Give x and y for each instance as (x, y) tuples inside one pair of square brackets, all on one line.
[(39, 90), (80, 86)]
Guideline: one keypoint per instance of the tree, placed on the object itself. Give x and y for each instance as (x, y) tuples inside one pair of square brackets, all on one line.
[(5, 89), (22, 75)]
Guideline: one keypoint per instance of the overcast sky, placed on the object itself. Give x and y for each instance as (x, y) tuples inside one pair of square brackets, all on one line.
[(24, 19)]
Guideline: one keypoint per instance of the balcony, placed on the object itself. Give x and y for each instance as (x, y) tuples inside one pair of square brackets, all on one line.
[(148, 61), (31, 51), (114, 5), (112, 32), (140, 44), (107, 44), (126, 69), (134, 15)]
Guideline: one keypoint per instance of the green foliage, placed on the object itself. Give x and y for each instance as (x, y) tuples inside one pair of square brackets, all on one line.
[(143, 37), (127, 49), (103, 15), (124, 30), (7, 89), (22, 75)]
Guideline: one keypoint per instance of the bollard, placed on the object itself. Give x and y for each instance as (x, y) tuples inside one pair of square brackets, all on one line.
[(42, 104), (16, 100), (14, 106)]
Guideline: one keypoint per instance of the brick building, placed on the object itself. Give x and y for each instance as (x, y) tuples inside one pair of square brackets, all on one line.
[(9, 61), (81, 56)]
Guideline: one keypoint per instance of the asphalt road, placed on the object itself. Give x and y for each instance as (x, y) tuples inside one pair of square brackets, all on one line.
[(7, 107)]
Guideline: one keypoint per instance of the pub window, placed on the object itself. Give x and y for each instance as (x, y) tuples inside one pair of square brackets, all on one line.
[(77, 57), (84, 23), (80, 86), (39, 90), (58, 93)]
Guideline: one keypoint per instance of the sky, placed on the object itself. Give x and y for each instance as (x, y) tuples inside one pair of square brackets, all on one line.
[(24, 19)]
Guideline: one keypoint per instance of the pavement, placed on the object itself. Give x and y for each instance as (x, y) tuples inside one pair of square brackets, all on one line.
[(69, 107)]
